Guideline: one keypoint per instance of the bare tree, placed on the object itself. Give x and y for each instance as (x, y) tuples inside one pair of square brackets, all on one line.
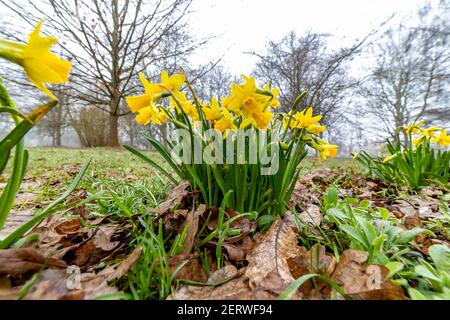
[(216, 83), (411, 76), (110, 42), (296, 64)]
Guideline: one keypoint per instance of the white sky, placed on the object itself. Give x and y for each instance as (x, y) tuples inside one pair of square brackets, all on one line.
[(246, 25)]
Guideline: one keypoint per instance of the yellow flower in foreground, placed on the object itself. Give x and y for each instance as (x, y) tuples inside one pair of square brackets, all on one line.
[(429, 133), (443, 139), (39, 63), (417, 141), (213, 112), (178, 100), (138, 102), (414, 127), (260, 120), (244, 98), (305, 119), (171, 83), (144, 104), (328, 150), (226, 122), (316, 129), (150, 114), (275, 91)]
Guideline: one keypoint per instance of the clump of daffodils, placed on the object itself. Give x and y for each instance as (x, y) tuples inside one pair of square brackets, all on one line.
[(418, 161), (429, 134), (238, 177), (246, 106), (419, 135)]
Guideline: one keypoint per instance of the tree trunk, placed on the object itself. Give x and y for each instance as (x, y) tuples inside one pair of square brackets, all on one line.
[(113, 131), (58, 135)]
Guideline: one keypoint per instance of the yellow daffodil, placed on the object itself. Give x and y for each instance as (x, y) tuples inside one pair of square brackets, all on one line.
[(443, 139), (138, 102), (224, 123), (413, 128), (171, 83), (252, 106), (328, 150), (150, 114), (305, 119), (390, 158), (315, 129), (325, 149), (417, 141), (429, 132), (260, 120), (39, 63), (178, 100), (144, 104), (244, 97), (212, 113), (275, 91)]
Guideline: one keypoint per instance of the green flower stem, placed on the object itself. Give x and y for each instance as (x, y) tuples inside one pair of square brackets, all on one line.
[(20, 161)]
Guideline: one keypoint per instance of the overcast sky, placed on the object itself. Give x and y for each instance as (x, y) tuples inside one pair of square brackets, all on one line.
[(245, 25)]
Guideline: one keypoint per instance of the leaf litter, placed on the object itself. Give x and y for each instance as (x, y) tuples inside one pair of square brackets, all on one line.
[(257, 265)]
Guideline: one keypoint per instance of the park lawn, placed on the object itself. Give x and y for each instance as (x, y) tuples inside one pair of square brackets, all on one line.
[(50, 168)]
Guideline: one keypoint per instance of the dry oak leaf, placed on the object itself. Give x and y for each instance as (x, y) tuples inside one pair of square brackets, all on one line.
[(176, 196), (23, 260), (95, 285), (68, 227), (192, 223), (364, 281), (52, 285), (311, 216), (192, 269), (239, 250), (272, 251)]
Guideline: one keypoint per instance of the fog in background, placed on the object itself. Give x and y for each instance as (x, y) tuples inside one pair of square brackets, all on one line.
[(369, 67)]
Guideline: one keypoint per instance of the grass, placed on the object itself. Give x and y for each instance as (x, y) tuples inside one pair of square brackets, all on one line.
[(50, 169), (106, 162), (110, 169)]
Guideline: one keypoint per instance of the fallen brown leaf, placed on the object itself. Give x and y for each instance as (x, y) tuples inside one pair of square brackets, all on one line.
[(192, 223), (191, 270), (52, 285), (311, 216), (15, 262), (68, 227), (272, 251), (364, 281)]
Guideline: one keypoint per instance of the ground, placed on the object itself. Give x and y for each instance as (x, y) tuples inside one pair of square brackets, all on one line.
[(106, 229)]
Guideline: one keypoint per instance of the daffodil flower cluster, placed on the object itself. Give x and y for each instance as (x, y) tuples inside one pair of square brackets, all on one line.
[(428, 134), (241, 124), (414, 162), (247, 105)]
